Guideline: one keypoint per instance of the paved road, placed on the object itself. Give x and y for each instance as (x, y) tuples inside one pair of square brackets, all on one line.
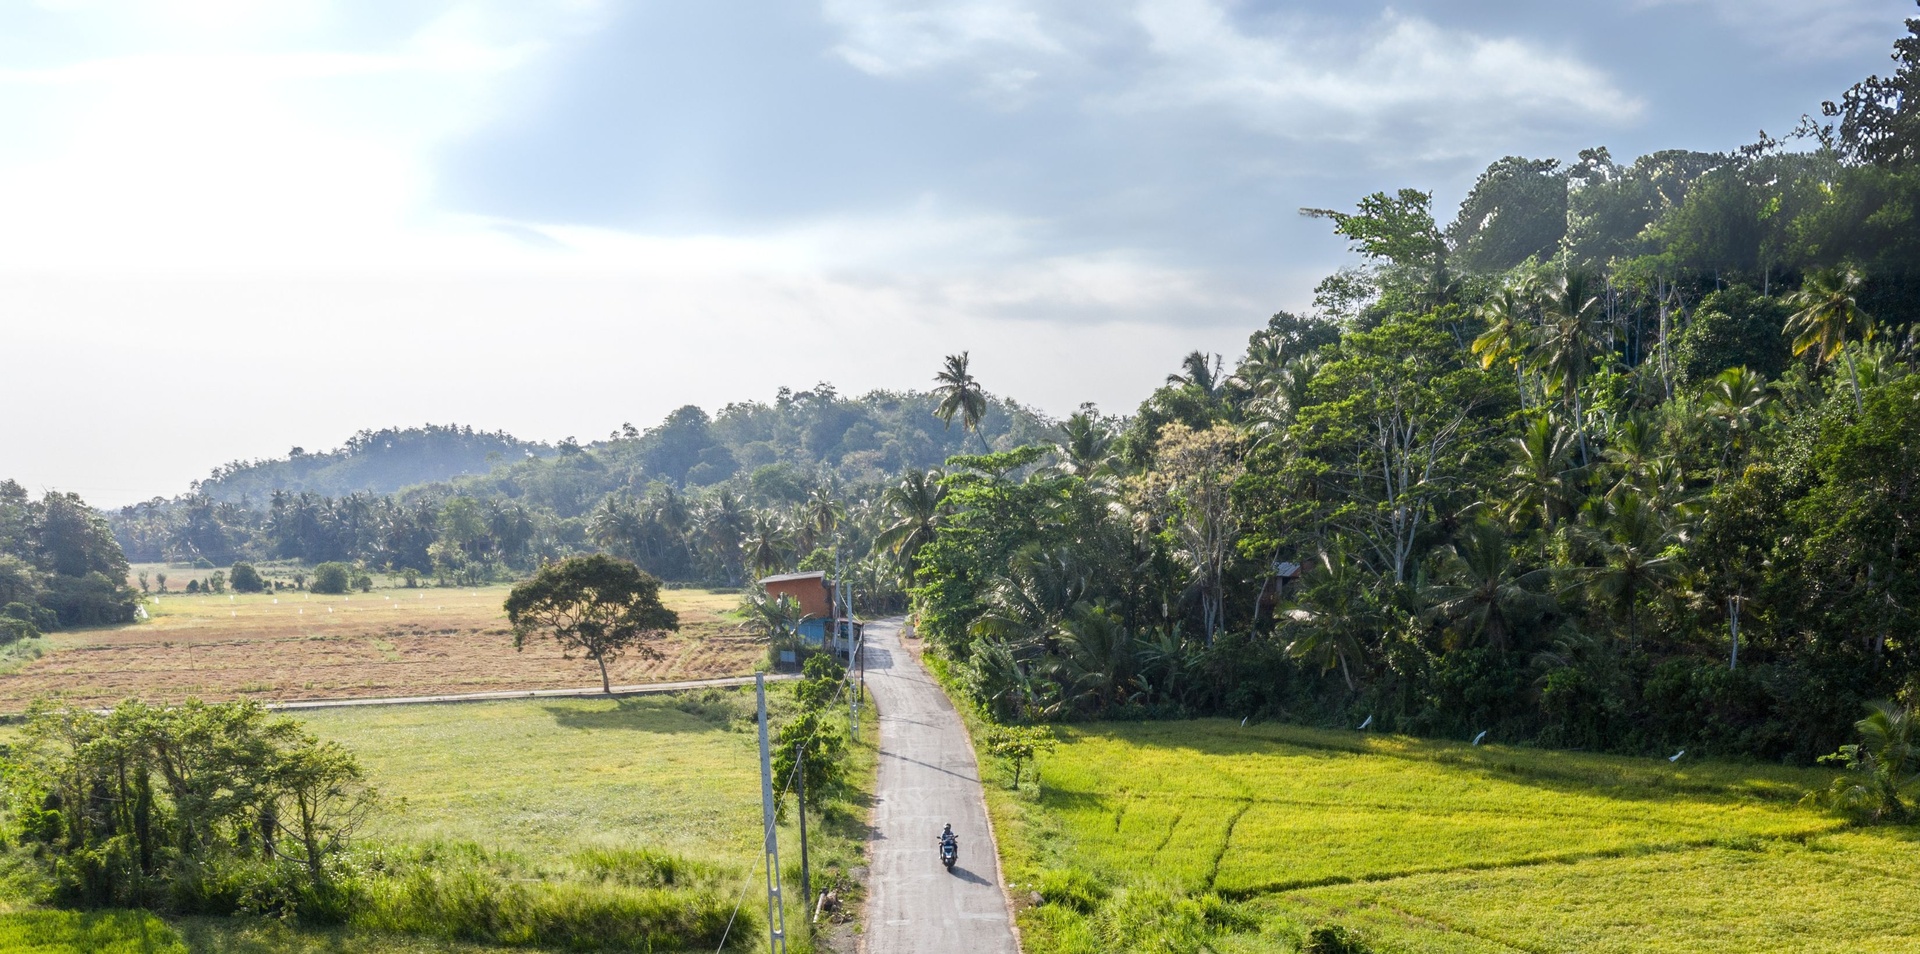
[(928, 777)]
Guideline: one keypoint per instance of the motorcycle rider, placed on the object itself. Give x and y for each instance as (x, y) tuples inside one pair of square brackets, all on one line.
[(947, 838)]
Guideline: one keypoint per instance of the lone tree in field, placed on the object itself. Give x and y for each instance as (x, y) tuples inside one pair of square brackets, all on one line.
[(599, 606)]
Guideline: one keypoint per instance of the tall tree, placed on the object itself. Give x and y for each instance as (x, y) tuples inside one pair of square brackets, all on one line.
[(1829, 316), (599, 606), (913, 505), (1880, 117), (960, 395)]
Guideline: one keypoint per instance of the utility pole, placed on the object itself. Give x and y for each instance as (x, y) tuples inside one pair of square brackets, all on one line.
[(776, 907), (800, 787)]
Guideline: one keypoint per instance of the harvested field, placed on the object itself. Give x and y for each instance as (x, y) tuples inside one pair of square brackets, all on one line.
[(399, 642)]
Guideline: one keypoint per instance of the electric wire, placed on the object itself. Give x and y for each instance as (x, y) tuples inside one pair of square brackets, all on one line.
[(859, 650)]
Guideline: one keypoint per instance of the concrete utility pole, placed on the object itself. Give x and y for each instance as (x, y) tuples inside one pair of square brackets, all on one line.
[(776, 907), (800, 787)]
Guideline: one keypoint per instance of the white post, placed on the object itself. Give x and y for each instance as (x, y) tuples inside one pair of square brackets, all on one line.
[(776, 908)]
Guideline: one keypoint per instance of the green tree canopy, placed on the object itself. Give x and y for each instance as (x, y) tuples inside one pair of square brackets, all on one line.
[(599, 606)]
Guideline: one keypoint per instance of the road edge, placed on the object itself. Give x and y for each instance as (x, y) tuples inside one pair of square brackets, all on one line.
[(999, 869)]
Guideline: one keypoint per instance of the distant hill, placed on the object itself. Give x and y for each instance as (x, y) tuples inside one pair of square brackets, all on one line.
[(378, 462)]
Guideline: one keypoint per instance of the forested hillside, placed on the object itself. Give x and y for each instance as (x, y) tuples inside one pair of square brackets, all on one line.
[(376, 462), (698, 497)]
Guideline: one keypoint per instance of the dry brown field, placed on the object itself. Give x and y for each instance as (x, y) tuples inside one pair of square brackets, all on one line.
[(390, 642)]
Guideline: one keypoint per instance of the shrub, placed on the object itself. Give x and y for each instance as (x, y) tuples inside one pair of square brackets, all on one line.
[(195, 808), (246, 579), (91, 600), (332, 578), (14, 630), (1883, 768), (1334, 939)]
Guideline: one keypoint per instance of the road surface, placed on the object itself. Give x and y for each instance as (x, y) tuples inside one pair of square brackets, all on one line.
[(928, 778)]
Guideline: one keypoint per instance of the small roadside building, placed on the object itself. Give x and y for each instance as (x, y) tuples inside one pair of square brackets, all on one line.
[(817, 598), (812, 591)]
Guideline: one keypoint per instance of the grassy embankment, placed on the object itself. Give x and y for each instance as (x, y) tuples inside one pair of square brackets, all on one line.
[(1165, 836), (506, 816), (390, 642)]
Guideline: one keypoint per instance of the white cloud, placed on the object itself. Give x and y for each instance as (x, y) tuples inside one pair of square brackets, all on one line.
[(885, 37), (1807, 29), (1397, 78)]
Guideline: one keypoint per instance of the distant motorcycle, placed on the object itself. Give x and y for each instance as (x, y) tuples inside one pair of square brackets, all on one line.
[(949, 851)]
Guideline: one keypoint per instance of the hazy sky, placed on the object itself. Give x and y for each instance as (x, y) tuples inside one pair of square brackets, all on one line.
[(227, 228)]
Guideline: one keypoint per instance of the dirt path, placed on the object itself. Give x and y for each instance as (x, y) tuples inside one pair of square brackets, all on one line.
[(928, 778)]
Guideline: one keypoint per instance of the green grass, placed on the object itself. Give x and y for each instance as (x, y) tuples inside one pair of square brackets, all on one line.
[(90, 932), (528, 814), (1433, 846), (548, 778)]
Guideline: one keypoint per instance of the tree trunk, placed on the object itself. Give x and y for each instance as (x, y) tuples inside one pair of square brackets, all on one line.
[(606, 686), (1854, 377)]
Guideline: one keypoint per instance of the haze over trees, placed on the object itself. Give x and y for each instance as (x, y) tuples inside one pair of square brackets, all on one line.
[(682, 499)]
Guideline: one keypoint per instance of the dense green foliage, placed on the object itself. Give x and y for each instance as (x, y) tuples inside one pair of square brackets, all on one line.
[(59, 566), (198, 809), (715, 499), (1626, 457)]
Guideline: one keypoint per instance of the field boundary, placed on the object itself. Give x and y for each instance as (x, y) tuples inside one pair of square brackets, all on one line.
[(641, 689)]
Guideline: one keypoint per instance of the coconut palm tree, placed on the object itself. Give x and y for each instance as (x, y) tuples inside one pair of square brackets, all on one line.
[(1086, 447), (1266, 355), (1481, 590), (822, 512), (1279, 397), (776, 618), (1200, 370), (1828, 316), (1098, 658), (1634, 540), (1737, 398), (617, 527), (1567, 344), (1633, 448), (766, 543), (1510, 327), (1542, 470), (1341, 612), (960, 395), (914, 506)]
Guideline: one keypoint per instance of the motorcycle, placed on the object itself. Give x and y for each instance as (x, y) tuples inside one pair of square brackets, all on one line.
[(949, 852)]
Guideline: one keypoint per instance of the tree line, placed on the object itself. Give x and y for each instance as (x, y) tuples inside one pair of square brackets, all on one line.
[(1625, 456), (718, 499)]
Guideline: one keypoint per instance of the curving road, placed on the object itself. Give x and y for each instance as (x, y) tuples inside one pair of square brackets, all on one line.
[(928, 778)]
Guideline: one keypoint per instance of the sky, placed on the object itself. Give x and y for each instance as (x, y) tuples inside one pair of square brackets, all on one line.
[(228, 228)]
